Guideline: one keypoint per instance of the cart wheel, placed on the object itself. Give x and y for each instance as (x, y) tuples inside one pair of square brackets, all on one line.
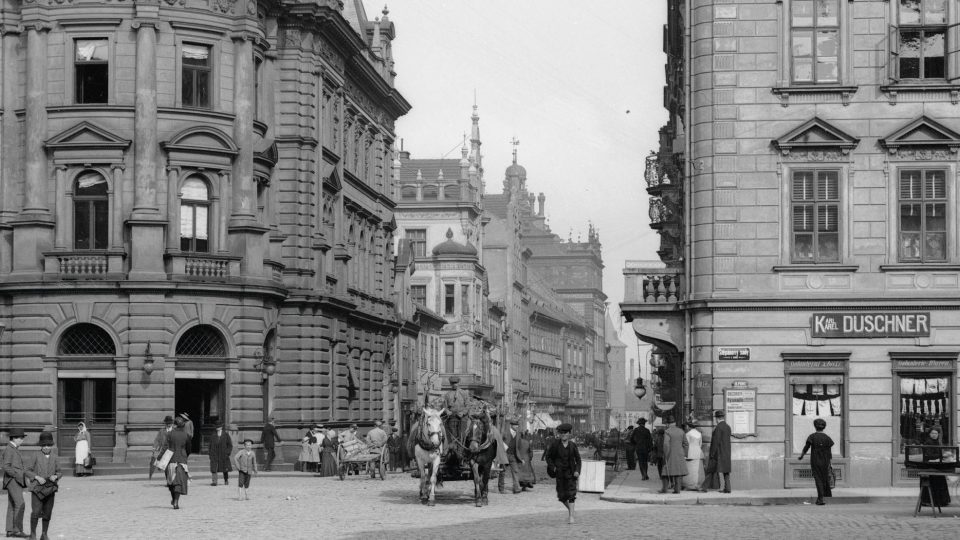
[(383, 466)]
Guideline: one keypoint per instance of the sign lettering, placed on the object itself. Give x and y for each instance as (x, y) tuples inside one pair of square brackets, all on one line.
[(733, 353), (870, 325)]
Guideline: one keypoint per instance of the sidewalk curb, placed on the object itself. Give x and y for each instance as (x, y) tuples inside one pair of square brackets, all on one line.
[(757, 501)]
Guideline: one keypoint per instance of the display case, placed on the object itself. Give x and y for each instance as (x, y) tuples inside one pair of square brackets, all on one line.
[(932, 458)]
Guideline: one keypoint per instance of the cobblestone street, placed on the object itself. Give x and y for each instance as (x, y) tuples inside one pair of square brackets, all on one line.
[(304, 506)]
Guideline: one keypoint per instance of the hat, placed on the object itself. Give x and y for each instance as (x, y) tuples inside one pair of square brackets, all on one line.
[(46, 439), (16, 432), (318, 426), (395, 428), (564, 428), (168, 419), (719, 414), (454, 379), (642, 421), (185, 416), (246, 440), (514, 422)]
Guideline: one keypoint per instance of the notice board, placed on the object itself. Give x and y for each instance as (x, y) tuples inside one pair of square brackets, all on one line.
[(740, 405)]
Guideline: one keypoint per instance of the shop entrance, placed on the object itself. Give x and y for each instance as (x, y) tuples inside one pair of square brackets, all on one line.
[(93, 402), (203, 400)]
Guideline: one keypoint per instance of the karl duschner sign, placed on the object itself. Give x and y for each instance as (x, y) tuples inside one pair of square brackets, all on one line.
[(871, 324)]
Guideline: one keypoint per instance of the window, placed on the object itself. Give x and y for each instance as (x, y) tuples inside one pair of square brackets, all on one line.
[(430, 193), (201, 340), (812, 399), (815, 41), (465, 299), (418, 241), (465, 357), (86, 339), (196, 72), (922, 39), (925, 404), (923, 219), (408, 193), (449, 299), (91, 70), (451, 192), (257, 86), (90, 211), (816, 205), (448, 356), (418, 293), (194, 209)]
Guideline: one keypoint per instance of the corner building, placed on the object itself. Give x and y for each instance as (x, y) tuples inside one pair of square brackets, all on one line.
[(196, 217), (805, 191)]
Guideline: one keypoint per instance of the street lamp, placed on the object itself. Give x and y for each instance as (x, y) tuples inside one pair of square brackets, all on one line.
[(638, 389), (147, 361), (265, 364)]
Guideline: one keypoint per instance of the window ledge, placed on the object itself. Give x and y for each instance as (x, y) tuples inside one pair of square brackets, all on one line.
[(893, 89), (845, 91), (831, 267), (919, 267)]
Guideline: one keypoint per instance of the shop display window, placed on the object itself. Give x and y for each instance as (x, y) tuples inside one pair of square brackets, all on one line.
[(924, 405), (812, 401)]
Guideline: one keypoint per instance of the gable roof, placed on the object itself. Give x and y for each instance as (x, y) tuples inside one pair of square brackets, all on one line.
[(816, 133), (429, 169), (922, 132)]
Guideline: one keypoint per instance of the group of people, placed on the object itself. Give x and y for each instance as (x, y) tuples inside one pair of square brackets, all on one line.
[(318, 448), (40, 474)]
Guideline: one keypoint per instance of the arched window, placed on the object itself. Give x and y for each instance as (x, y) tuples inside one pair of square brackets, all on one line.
[(201, 340), (408, 193), (430, 193), (86, 339), (451, 192), (194, 212), (90, 211)]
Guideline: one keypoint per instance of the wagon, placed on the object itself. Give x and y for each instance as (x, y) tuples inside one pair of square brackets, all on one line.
[(612, 454), (361, 455)]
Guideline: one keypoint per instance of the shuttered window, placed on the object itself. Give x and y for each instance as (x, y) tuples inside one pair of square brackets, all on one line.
[(815, 196), (815, 41), (923, 215)]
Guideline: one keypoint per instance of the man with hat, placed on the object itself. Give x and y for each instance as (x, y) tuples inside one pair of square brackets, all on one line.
[(642, 441), (16, 476), (46, 469), (510, 437), (159, 443), (719, 458), (457, 403), (395, 449), (187, 425), (376, 438), (220, 451), (563, 463), (269, 439)]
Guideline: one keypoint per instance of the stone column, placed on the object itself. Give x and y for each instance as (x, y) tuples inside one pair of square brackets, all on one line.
[(116, 208)]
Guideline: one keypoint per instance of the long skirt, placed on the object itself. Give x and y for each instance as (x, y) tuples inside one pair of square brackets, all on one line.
[(177, 478), (80, 453), (525, 473), (694, 474), (328, 463), (941, 493), (566, 486)]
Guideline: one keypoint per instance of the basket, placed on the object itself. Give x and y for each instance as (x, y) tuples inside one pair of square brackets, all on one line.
[(935, 458)]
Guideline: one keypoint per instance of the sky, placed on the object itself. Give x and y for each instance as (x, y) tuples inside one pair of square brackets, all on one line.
[(579, 84)]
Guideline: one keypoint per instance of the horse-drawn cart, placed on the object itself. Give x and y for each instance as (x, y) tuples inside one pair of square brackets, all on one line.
[(359, 455), (614, 454)]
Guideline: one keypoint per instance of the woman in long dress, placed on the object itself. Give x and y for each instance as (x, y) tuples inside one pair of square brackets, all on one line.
[(694, 458), (819, 444), (309, 456), (328, 454), (177, 477), (82, 450)]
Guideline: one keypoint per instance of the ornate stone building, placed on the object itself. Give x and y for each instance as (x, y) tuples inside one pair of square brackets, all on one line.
[(805, 190), (196, 215)]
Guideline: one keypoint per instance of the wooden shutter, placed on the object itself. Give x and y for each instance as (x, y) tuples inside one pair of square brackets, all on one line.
[(893, 42)]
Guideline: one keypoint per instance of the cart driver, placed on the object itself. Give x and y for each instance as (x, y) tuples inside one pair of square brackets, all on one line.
[(457, 403)]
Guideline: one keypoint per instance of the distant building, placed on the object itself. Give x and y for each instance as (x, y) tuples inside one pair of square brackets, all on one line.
[(619, 388)]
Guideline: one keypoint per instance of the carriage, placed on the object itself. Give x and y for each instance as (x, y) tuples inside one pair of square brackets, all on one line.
[(612, 454), (361, 456)]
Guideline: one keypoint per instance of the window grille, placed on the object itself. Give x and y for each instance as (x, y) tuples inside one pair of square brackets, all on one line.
[(201, 340), (86, 339)]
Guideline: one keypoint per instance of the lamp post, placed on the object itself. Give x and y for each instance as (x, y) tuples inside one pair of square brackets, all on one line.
[(266, 364), (147, 361)]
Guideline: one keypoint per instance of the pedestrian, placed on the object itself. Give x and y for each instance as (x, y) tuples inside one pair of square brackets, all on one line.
[(642, 441), (629, 448), (819, 445), (83, 452), (376, 439), (525, 474), (695, 473), (158, 444), (395, 449), (718, 460), (15, 478), (657, 456), (675, 454), (510, 436), (220, 450), (307, 461), (45, 467), (187, 425), (269, 438), (246, 463), (563, 459), (328, 454), (501, 461), (938, 483), (178, 478)]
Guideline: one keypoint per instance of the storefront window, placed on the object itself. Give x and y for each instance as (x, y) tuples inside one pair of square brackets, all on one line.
[(817, 400), (924, 405)]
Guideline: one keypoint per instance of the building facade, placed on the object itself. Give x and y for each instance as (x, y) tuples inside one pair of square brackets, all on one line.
[(197, 216), (805, 190), (620, 385)]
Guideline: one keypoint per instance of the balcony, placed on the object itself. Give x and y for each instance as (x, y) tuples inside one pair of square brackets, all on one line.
[(92, 265), (664, 214), (202, 267), (652, 297)]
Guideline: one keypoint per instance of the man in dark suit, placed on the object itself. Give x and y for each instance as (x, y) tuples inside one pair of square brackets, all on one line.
[(642, 441), (46, 469), (719, 458), (269, 438), (16, 476), (510, 436)]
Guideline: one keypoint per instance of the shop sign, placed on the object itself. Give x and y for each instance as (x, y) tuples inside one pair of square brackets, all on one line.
[(733, 353), (703, 395), (816, 364), (914, 364), (871, 324)]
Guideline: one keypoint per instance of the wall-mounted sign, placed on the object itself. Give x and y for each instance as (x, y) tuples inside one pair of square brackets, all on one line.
[(739, 384), (703, 396), (924, 364), (871, 324), (733, 353), (741, 407)]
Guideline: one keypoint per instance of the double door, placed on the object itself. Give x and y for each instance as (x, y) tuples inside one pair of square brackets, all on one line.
[(93, 402)]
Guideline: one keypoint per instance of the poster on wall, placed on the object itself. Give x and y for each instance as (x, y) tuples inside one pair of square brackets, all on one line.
[(741, 407)]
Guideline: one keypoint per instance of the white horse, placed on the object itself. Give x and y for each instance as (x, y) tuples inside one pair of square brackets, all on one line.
[(429, 446)]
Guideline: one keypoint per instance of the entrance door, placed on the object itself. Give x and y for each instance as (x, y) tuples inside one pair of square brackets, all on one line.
[(93, 402), (203, 400)]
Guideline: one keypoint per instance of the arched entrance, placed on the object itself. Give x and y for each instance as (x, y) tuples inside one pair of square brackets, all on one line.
[(199, 389), (86, 386)]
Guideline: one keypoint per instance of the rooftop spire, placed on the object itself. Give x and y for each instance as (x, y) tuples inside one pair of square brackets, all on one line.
[(514, 141)]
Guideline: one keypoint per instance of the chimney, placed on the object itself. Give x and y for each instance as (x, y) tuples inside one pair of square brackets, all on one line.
[(540, 199)]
